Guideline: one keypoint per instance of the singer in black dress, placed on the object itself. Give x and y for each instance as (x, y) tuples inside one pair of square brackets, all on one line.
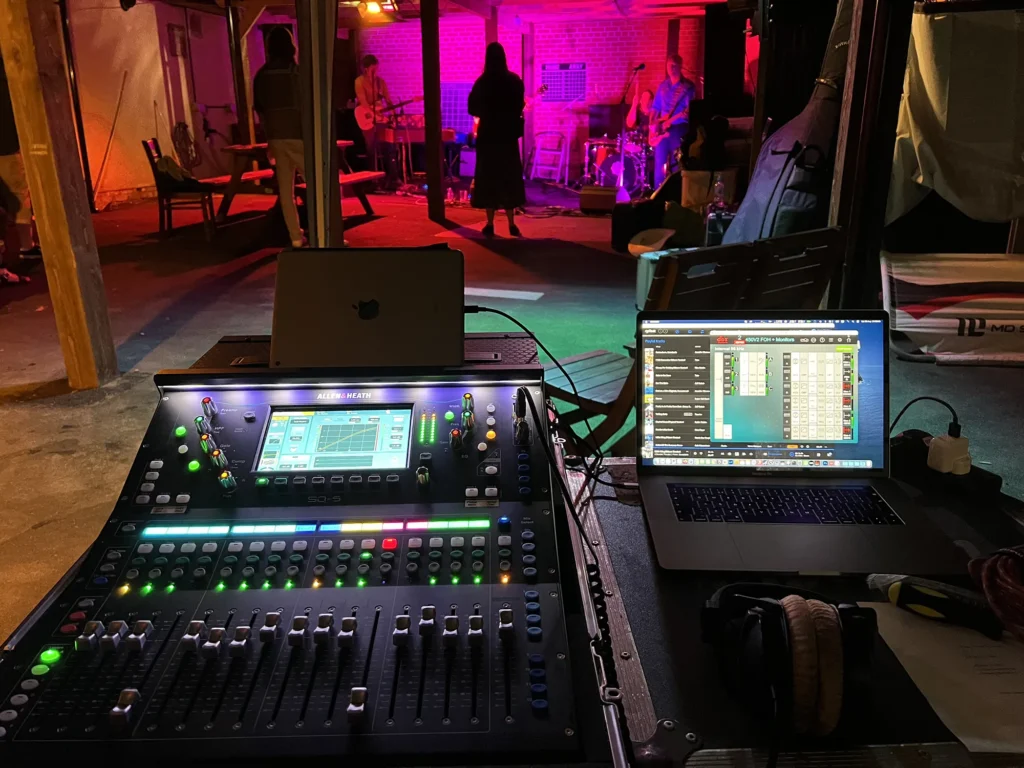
[(497, 99)]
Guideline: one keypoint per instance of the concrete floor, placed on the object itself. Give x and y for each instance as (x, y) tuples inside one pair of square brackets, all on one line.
[(64, 455)]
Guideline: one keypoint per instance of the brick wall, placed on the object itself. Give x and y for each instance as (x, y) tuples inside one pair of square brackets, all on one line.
[(609, 47), (399, 48)]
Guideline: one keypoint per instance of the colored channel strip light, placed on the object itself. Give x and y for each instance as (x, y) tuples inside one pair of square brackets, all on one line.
[(369, 527), (433, 428), (423, 428)]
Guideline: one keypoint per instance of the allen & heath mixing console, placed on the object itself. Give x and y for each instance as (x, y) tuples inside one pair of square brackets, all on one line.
[(372, 566)]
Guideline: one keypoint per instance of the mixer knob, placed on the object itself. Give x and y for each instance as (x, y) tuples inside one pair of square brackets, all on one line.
[(427, 615), (211, 648), (468, 420), (455, 439), (298, 636), (141, 631), (209, 408), (115, 633), (357, 704), (347, 635), (268, 632), (476, 630), (202, 425), (450, 635), (207, 443), (239, 647), (227, 480), (218, 459), (423, 476), (467, 401), (505, 629), (121, 714), (521, 432), (194, 636), (324, 631), (90, 637), (400, 634)]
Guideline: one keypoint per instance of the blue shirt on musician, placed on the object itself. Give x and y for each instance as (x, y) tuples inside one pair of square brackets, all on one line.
[(672, 99)]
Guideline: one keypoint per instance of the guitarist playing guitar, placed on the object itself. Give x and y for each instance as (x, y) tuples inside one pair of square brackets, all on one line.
[(670, 115)]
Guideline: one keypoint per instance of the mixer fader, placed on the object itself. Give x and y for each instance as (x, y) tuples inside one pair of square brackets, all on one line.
[(376, 567)]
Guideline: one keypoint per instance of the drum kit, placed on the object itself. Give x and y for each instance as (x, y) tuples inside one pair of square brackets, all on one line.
[(630, 156)]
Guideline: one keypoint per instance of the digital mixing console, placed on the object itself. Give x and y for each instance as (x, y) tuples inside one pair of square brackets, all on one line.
[(314, 567)]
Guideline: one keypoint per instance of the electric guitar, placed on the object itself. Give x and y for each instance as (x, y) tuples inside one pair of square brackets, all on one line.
[(366, 117), (660, 128)]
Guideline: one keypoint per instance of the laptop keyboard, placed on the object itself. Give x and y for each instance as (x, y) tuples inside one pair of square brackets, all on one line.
[(807, 505)]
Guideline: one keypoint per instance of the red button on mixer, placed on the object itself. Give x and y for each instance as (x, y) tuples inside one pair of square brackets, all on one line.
[(69, 629), (77, 616), (390, 544)]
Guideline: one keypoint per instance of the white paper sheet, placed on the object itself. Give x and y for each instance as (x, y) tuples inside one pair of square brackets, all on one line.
[(974, 684)]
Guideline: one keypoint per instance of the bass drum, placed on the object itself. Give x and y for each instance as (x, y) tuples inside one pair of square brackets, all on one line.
[(631, 165)]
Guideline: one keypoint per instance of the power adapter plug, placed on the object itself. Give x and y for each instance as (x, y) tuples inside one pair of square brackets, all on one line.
[(949, 454)]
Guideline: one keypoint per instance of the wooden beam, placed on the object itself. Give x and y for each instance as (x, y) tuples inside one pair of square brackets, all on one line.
[(431, 36), (761, 90), (251, 13), (491, 27), (673, 37), (31, 44), (235, 48), (479, 7)]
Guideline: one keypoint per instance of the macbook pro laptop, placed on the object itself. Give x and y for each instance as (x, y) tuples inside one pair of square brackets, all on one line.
[(763, 446), (368, 307)]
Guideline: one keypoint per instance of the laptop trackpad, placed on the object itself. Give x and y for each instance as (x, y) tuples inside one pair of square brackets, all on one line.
[(803, 547)]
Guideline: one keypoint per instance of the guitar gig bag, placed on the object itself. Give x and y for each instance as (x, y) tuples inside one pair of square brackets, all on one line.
[(790, 187)]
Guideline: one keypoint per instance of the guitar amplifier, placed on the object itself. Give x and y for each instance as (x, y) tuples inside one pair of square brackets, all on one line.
[(595, 199)]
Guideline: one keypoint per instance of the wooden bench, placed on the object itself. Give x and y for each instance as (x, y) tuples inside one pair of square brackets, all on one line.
[(263, 174), (790, 272), (359, 182)]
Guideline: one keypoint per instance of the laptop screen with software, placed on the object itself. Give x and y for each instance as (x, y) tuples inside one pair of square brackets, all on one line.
[(763, 394)]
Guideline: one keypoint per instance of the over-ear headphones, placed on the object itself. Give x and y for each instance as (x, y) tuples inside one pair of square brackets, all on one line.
[(791, 656)]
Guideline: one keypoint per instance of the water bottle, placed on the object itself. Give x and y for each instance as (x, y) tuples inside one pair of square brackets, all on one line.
[(718, 198), (714, 222), (450, 197)]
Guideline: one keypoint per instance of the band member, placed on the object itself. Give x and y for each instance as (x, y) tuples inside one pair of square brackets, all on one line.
[(639, 116), (498, 100), (276, 100), (372, 92), (670, 115)]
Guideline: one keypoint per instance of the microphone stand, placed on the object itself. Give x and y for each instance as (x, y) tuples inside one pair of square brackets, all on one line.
[(621, 194)]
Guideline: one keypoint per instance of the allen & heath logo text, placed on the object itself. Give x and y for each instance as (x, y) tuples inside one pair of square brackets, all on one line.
[(343, 396)]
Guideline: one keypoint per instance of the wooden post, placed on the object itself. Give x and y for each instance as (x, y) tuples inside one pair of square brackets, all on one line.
[(872, 93), (430, 29), (673, 38), (235, 46), (318, 28), (491, 26), (761, 91), (530, 86), (30, 40)]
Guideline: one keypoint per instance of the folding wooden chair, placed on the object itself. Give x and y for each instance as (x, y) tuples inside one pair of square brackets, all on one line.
[(790, 272)]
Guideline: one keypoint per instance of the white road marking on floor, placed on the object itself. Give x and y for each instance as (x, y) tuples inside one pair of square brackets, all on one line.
[(493, 293)]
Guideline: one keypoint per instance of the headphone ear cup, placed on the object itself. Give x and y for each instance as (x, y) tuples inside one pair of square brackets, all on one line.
[(803, 648), (829, 637)]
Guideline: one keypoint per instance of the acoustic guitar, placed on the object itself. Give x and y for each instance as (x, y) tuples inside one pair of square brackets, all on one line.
[(366, 118)]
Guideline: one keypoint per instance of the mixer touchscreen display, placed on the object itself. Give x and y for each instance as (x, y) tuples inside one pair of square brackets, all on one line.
[(336, 439)]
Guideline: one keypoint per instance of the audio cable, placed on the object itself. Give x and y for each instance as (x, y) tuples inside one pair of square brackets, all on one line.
[(543, 435), (592, 471)]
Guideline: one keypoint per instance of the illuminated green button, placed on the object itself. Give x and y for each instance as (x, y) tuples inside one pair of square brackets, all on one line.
[(50, 656), (180, 431), (39, 670), (449, 416), (366, 555), (193, 466), (261, 481)]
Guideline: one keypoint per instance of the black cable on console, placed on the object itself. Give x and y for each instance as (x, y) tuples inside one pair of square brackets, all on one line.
[(543, 434)]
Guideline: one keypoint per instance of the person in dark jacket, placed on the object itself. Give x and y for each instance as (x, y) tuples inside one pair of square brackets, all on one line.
[(498, 99), (275, 91)]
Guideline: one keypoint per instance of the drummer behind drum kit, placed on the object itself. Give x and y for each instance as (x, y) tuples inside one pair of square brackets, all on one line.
[(605, 161)]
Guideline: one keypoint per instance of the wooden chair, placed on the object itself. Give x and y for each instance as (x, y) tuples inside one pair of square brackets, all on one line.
[(790, 272), (173, 194)]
